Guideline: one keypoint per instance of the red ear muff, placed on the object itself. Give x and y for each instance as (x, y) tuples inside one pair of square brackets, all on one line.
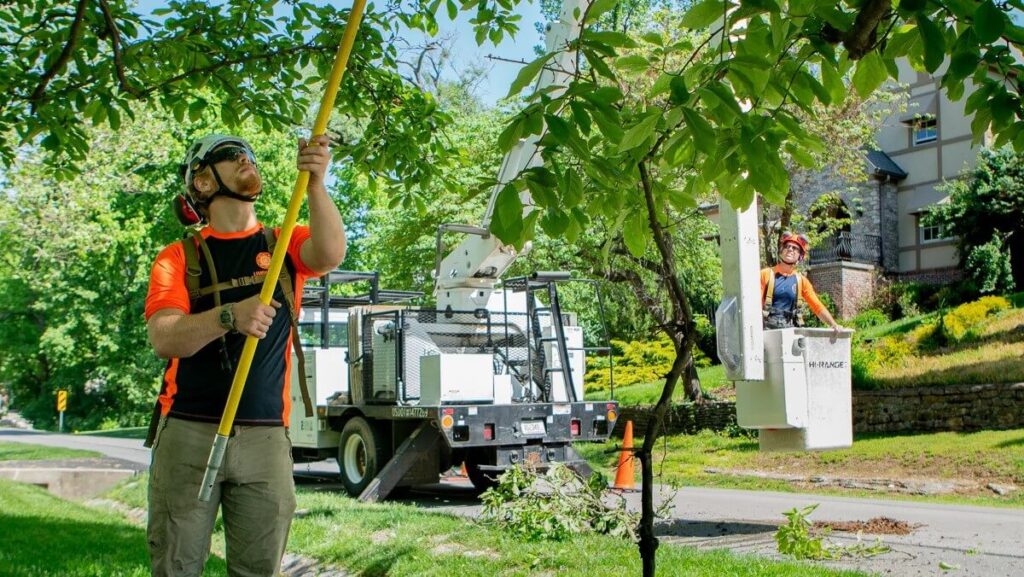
[(186, 211)]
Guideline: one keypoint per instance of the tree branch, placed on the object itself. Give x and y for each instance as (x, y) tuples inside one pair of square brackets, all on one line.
[(115, 44), (73, 35)]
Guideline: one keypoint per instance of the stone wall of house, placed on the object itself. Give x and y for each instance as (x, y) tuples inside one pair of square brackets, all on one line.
[(861, 200), (888, 214), (920, 409), (851, 285)]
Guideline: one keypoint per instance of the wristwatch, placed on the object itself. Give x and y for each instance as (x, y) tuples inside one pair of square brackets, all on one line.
[(227, 317)]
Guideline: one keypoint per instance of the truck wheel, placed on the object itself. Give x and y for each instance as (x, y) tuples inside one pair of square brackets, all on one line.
[(361, 455), (482, 480)]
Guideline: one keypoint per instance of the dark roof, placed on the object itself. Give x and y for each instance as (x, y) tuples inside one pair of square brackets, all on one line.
[(884, 165)]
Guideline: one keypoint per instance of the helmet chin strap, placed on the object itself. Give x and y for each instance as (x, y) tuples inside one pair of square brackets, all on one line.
[(223, 190)]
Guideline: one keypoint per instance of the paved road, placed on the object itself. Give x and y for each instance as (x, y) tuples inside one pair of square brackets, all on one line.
[(977, 541)]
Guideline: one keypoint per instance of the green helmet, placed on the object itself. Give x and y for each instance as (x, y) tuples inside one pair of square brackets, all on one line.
[(195, 156)]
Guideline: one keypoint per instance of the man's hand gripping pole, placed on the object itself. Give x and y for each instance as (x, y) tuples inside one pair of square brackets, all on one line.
[(220, 443)]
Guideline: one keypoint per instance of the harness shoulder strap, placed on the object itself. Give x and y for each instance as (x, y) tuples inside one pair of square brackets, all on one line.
[(799, 288), (285, 280), (770, 289), (192, 269)]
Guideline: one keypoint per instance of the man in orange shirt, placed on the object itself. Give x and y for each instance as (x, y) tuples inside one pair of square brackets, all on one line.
[(202, 340), (787, 287)]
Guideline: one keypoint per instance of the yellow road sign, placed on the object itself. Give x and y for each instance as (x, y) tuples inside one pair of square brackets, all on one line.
[(62, 401)]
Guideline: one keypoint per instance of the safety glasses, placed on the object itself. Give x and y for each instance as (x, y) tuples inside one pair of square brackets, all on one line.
[(790, 246), (230, 153)]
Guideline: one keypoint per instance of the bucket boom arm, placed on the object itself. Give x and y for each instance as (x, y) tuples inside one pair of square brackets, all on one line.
[(465, 278)]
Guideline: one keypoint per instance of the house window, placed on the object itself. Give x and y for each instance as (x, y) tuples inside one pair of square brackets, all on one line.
[(933, 233), (925, 130)]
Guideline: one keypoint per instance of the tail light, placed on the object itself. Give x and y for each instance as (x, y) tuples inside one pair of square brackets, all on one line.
[(488, 431), (574, 427)]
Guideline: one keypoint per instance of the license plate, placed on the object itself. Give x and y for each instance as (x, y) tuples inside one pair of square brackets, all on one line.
[(532, 427)]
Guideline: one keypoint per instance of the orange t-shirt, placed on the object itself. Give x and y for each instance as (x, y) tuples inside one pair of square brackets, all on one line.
[(196, 388)]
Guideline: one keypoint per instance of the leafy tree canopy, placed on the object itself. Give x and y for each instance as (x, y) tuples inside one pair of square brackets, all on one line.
[(66, 65)]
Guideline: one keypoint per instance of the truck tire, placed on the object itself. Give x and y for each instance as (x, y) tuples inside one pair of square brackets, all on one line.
[(361, 454), (482, 480)]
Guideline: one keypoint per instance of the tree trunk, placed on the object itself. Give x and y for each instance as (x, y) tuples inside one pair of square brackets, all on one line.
[(648, 541)]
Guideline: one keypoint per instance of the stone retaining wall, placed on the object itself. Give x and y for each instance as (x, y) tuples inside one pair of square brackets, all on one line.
[(920, 409), (952, 408)]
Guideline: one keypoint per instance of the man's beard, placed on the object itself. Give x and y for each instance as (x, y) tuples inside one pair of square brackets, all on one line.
[(250, 183)]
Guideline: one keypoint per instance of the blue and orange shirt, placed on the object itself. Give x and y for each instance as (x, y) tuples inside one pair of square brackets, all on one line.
[(786, 287), (196, 388)]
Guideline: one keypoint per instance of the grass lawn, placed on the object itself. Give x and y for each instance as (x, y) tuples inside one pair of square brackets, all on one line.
[(26, 452), (983, 457), (126, 433), (402, 540), (43, 536)]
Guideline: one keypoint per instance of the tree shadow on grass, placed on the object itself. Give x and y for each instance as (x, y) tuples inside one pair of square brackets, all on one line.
[(47, 546), (375, 561), (712, 529), (1011, 443)]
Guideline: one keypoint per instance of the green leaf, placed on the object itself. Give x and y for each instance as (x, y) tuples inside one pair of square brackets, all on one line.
[(610, 38), (716, 93), (654, 38), (453, 10), (870, 74), (632, 63), (832, 80), (639, 132), (962, 64), (572, 189), (512, 133), (558, 128), (680, 94), (989, 22), (934, 43), (580, 116), (703, 14), (608, 127), (507, 223), (554, 222), (527, 74), (704, 138), (635, 234), (598, 8), (599, 65)]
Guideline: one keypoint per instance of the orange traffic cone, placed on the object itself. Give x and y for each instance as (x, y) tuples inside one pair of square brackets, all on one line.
[(624, 474)]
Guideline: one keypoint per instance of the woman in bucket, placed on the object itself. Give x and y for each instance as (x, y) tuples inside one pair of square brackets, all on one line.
[(782, 288)]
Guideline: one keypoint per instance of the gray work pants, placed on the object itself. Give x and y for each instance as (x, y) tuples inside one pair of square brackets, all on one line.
[(254, 490)]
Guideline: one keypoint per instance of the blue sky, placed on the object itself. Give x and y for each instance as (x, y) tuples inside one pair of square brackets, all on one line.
[(501, 74)]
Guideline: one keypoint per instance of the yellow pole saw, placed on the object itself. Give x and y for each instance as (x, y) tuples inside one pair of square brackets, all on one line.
[(220, 443)]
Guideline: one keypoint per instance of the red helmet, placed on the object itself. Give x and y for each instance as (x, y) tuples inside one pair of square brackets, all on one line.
[(797, 239)]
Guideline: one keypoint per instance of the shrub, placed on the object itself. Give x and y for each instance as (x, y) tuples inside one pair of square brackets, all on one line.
[(867, 360), (638, 362), (988, 267), (964, 323), (925, 335), (869, 318)]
